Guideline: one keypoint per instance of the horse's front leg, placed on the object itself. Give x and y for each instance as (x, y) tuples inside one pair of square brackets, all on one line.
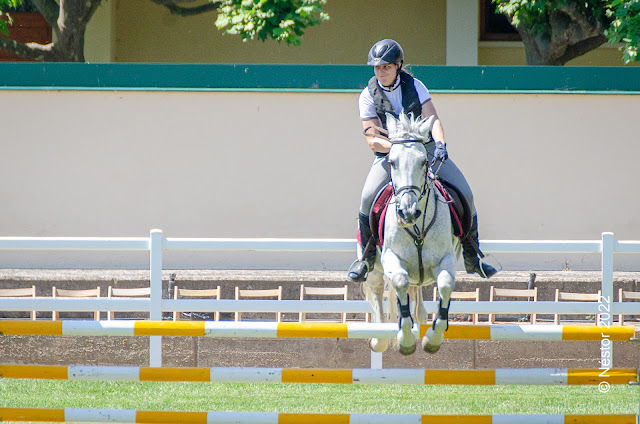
[(375, 286), (434, 337), (400, 280)]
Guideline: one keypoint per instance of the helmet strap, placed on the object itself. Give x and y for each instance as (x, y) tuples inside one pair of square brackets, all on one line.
[(395, 80), (393, 84)]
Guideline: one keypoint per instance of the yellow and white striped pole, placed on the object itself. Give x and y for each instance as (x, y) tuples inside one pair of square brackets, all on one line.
[(354, 330), (71, 415), (503, 376)]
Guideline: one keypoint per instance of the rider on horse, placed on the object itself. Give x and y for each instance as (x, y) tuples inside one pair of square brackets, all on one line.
[(394, 90)]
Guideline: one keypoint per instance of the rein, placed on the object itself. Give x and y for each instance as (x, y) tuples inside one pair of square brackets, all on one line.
[(380, 129), (384, 134), (418, 234)]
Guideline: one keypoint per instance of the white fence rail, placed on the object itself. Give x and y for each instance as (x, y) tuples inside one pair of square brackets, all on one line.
[(295, 306), (156, 244)]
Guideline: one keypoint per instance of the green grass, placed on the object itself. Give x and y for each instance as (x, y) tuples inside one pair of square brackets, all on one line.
[(317, 398)]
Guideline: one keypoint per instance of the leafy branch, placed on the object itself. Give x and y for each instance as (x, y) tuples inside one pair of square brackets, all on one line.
[(625, 27), (282, 20), (5, 18)]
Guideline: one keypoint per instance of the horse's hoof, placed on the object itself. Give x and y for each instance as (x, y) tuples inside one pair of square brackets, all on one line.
[(407, 350), (431, 348), (406, 344), (378, 345), (432, 341)]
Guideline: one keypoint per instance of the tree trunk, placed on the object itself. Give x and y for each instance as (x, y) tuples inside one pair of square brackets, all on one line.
[(69, 22), (570, 33), (540, 51)]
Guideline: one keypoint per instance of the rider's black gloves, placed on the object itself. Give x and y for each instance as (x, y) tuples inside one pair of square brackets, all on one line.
[(440, 153)]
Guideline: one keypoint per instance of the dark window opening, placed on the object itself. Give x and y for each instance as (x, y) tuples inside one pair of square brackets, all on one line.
[(495, 26)]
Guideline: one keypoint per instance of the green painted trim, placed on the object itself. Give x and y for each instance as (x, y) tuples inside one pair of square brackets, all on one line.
[(313, 78), (311, 90)]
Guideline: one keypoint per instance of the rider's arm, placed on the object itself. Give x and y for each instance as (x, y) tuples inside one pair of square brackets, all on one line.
[(376, 144), (437, 131)]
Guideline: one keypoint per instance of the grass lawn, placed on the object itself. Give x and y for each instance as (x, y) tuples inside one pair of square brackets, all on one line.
[(317, 398)]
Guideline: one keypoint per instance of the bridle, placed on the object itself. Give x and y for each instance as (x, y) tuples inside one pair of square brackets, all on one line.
[(418, 233), (419, 191)]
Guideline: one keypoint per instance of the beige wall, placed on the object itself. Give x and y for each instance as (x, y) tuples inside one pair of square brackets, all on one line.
[(142, 31), (208, 164), (99, 36), (148, 33), (512, 54)]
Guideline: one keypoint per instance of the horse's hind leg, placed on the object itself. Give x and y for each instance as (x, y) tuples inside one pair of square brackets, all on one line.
[(434, 337), (375, 291), (420, 314)]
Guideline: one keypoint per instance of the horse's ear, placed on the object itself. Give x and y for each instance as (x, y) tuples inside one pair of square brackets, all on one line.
[(404, 119), (392, 123), (426, 126)]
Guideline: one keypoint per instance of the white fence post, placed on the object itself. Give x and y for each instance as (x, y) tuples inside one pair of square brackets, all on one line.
[(607, 278), (155, 310), (605, 303), (376, 360)]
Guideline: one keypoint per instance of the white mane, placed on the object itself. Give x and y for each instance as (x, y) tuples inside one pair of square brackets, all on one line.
[(409, 127)]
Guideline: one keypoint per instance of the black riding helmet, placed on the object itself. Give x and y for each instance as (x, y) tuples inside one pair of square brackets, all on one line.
[(385, 52)]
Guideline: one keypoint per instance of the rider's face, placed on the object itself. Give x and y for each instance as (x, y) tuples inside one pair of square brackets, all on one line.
[(386, 74)]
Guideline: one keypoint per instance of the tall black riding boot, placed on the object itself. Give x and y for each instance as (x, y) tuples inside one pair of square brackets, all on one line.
[(360, 268), (470, 252)]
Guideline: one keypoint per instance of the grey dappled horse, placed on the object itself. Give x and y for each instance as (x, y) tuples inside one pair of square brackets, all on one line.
[(419, 246)]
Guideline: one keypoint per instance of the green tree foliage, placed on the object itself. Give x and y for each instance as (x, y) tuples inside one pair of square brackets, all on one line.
[(282, 20), (556, 31), (5, 18), (625, 27)]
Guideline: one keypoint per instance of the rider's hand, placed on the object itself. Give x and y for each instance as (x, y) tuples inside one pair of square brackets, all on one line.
[(440, 153)]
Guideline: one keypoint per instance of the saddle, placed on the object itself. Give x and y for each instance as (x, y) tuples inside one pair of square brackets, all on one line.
[(458, 208)]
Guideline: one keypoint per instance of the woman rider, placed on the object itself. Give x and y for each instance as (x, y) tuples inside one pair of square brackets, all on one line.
[(393, 90)]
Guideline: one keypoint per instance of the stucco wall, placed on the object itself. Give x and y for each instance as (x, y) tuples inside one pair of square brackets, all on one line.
[(275, 164), (142, 31), (512, 54), (149, 33)]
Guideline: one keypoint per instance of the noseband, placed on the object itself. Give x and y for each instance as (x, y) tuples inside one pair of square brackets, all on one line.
[(420, 192)]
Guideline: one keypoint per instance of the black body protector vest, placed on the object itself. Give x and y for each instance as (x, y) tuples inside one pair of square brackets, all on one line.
[(410, 100)]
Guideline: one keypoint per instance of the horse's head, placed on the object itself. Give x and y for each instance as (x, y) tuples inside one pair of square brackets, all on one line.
[(408, 162)]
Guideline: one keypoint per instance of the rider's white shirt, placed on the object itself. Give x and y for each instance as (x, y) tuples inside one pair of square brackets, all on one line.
[(367, 106)]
